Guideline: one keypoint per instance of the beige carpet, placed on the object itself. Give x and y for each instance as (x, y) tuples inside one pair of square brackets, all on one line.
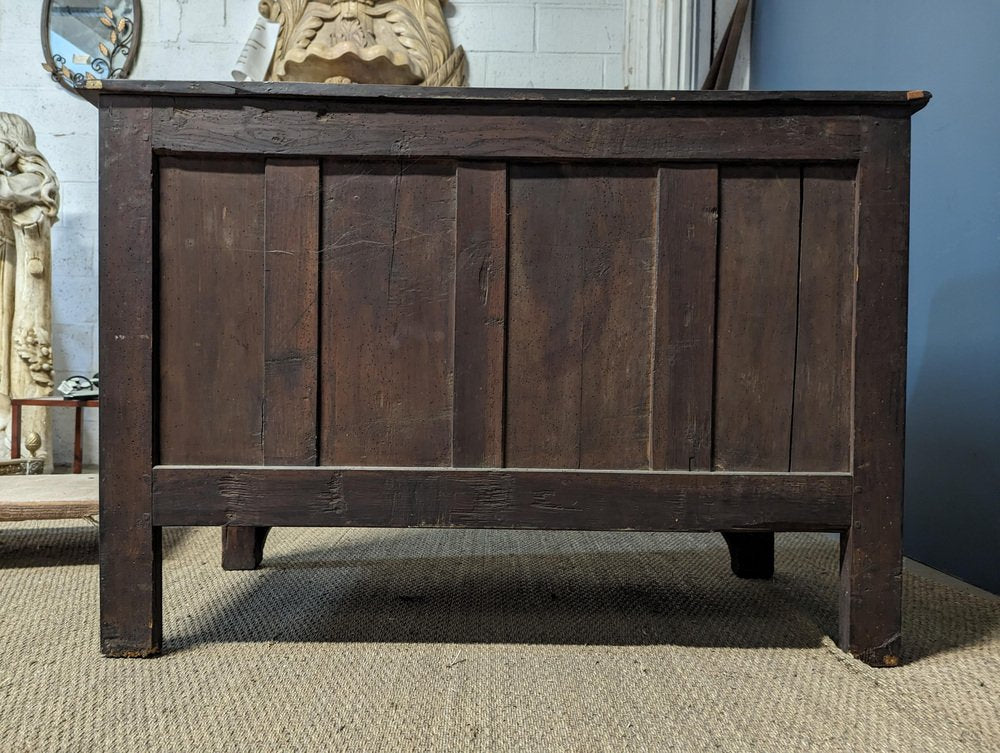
[(378, 641)]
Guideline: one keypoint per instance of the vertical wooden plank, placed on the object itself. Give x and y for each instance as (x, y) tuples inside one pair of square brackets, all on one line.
[(291, 334), (480, 315), (751, 554), (580, 318), (871, 560), (211, 311), (130, 546), (684, 345), (617, 216), (544, 320), (821, 417), (387, 325), (756, 321), (291, 311)]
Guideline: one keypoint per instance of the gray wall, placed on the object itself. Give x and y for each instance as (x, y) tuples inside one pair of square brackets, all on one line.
[(952, 48)]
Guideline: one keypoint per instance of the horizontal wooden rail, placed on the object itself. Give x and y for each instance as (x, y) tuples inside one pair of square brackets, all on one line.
[(501, 498), (341, 130)]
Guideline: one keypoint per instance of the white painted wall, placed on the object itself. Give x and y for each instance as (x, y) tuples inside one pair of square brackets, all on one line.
[(520, 43), (571, 44)]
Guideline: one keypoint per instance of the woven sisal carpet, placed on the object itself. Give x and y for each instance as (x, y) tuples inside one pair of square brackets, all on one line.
[(382, 640)]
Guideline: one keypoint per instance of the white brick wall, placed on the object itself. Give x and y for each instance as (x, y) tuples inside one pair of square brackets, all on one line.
[(571, 44), (520, 43)]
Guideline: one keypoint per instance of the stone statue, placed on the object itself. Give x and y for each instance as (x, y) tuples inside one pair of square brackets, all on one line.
[(364, 42), (29, 205)]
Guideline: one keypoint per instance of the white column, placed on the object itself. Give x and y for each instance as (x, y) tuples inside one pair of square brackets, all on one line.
[(667, 43)]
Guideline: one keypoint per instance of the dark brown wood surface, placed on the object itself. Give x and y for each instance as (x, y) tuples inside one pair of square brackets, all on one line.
[(211, 344), (580, 314), (872, 548), (223, 91), (597, 311), (545, 324), (480, 315), (684, 331), (291, 334), (243, 546), (821, 414), (564, 133), (501, 498), (755, 349), (130, 544), (291, 311), (387, 321)]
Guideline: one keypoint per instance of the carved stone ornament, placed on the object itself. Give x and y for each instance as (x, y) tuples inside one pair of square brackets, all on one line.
[(29, 205), (365, 42)]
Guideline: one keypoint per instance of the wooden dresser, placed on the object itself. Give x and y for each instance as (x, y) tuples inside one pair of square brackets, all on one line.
[(382, 306)]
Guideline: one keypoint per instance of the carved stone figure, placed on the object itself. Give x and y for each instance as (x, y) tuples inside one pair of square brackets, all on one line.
[(29, 205), (365, 42)]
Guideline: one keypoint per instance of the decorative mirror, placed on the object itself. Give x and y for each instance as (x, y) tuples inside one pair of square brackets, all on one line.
[(86, 40)]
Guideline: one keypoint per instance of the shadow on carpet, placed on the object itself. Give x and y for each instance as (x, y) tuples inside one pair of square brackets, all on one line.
[(553, 588), (61, 545)]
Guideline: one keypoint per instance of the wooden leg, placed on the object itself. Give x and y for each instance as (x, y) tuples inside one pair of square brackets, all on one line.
[(131, 585), (131, 549), (15, 431), (871, 561), (243, 547), (871, 568), (78, 441), (751, 553)]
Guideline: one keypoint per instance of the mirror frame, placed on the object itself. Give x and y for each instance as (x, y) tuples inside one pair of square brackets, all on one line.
[(54, 71)]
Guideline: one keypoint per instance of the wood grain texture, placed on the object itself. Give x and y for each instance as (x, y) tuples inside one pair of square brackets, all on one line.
[(480, 315), (130, 544), (545, 323), (291, 311), (581, 295), (684, 336), (821, 416), (756, 321), (387, 323), (509, 498), (291, 334), (211, 345), (872, 556), (526, 131)]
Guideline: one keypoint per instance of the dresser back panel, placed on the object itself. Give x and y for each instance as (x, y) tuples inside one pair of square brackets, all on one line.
[(506, 314)]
